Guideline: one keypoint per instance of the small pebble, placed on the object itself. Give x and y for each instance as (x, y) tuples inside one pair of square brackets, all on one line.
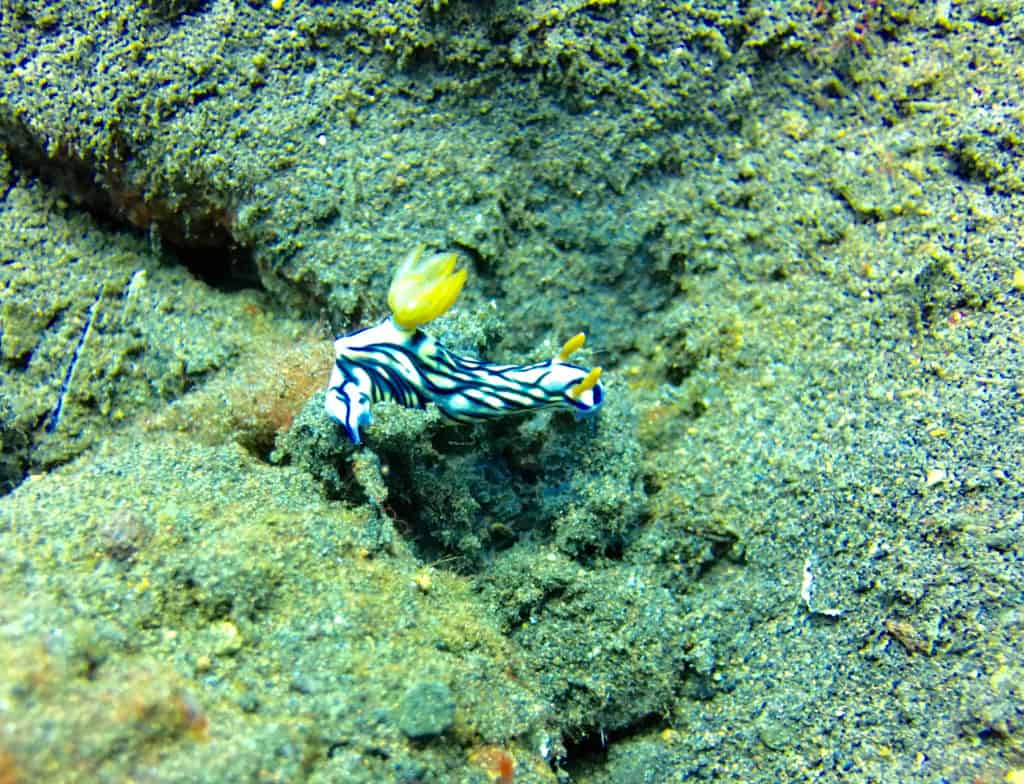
[(227, 640), (123, 535), (427, 710)]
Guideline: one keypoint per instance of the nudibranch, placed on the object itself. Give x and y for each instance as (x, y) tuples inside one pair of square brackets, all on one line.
[(398, 361)]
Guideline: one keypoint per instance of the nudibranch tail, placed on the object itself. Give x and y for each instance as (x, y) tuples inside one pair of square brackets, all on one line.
[(423, 289)]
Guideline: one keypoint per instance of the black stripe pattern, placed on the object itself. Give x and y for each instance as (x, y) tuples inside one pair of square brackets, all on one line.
[(409, 367)]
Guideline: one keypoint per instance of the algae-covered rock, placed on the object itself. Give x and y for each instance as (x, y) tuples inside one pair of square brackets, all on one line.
[(467, 491), (266, 615), (791, 232), (604, 643), (427, 710), (95, 332)]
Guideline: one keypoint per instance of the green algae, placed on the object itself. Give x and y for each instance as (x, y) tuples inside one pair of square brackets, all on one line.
[(791, 234), (258, 604), (96, 331)]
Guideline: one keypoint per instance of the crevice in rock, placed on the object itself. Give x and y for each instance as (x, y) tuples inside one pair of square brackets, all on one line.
[(199, 235), (591, 749)]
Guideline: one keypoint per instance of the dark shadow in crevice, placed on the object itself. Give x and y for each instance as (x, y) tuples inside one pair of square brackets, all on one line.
[(13, 459), (228, 269), (196, 230), (591, 750)]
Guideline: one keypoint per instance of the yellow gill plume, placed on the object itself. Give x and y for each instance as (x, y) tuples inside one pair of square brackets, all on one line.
[(424, 288)]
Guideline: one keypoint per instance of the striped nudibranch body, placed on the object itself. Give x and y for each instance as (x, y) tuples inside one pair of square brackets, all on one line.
[(407, 366)]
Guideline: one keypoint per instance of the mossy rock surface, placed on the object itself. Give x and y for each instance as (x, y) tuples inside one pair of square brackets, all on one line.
[(789, 542)]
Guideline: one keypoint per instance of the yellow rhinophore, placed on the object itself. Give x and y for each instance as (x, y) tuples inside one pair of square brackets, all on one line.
[(589, 382), (572, 345), (423, 289)]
